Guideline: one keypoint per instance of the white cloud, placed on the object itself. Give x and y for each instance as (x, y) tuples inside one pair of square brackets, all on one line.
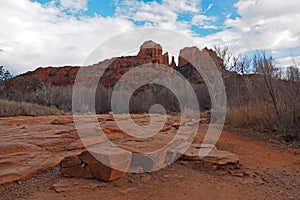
[(289, 61), (208, 7), (33, 35), (154, 12), (161, 15), (265, 24), (182, 5), (37, 35), (74, 5), (176, 6), (204, 21)]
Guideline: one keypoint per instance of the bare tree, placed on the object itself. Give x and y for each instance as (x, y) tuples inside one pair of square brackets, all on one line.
[(224, 53), (293, 76), (241, 64), (265, 65)]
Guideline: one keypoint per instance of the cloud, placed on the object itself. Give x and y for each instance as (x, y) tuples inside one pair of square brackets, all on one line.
[(289, 61), (74, 6), (163, 15), (37, 35), (183, 5), (204, 21), (154, 12), (265, 24), (208, 7), (34, 35)]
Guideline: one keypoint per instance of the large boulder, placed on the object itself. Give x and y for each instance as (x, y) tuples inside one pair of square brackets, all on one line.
[(102, 164)]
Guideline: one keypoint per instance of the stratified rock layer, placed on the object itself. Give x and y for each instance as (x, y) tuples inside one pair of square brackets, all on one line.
[(32, 144), (150, 53)]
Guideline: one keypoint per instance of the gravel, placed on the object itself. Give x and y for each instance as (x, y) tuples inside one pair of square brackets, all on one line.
[(22, 189)]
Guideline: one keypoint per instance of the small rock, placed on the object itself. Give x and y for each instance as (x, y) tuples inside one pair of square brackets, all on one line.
[(19, 182), (260, 181), (248, 173), (120, 183), (221, 172), (145, 178), (211, 167), (126, 191), (237, 173), (62, 121)]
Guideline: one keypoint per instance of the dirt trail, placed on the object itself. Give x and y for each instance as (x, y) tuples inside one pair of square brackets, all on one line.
[(273, 173), (260, 155)]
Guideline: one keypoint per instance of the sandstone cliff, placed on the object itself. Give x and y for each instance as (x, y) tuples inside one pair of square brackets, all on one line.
[(150, 52)]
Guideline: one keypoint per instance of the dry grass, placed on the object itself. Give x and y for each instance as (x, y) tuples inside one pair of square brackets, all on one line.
[(259, 116), (11, 109)]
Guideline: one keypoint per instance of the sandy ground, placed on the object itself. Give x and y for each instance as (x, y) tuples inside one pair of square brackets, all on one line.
[(273, 173)]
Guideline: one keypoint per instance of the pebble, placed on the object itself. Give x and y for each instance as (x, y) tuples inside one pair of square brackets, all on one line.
[(126, 191)]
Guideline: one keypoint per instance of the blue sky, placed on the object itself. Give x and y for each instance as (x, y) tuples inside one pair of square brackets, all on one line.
[(64, 32)]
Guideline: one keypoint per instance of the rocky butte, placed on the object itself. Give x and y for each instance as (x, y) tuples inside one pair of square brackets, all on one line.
[(150, 52), (54, 85)]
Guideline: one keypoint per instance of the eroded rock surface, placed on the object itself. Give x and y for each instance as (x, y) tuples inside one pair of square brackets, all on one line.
[(33, 144), (214, 156), (87, 165)]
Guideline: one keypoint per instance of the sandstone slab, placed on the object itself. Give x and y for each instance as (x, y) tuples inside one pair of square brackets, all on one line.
[(48, 141), (99, 164), (214, 156)]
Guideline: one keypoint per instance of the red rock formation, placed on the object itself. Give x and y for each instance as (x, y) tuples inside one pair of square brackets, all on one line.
[(188, 52), (87, 166), (173, 64), (217, 60), (150, 52), (42, 143), (56, 76), (165, 59)]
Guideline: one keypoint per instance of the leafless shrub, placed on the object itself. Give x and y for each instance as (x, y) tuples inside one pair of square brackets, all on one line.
[(254, 116), (265, 65)]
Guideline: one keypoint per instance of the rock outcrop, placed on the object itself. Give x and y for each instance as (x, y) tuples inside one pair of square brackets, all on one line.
[(33, 86), (87, 166), (33, 144), (173, 64), (150, 52), (187, 53), (215, 156)]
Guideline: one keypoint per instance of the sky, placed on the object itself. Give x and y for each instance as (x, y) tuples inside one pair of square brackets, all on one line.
[(40, 33)]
